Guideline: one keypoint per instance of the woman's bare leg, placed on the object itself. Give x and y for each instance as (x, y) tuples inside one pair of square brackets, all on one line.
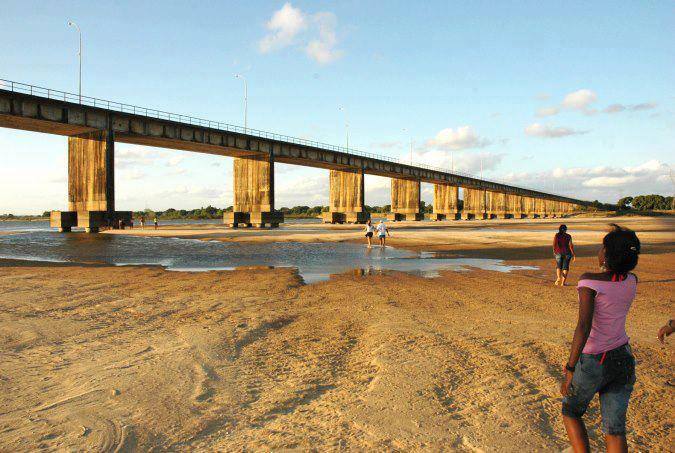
[(577, 434), (564, 277), (557, 275)]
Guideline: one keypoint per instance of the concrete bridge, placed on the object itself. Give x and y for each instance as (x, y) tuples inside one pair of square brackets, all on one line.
[(93, 126)]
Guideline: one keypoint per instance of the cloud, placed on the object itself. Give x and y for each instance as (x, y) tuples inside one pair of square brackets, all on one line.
[(545, 131), (314, 33), (322, 49), (548, 111), (579, 100), (616, 108), (543, 96), (175, 160), (284, 26), (132, 175), (604, 182), (463, 137), (387, 145)]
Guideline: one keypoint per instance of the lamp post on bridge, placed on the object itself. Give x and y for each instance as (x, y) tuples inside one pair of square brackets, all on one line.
[(346, 125), (79, 54), (239, 76)]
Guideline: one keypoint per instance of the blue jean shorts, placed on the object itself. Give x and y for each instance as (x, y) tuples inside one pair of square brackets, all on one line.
[(563, 261), (613, 378)]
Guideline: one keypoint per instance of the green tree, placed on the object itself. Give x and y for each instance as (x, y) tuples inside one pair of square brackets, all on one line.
[(624, 203)]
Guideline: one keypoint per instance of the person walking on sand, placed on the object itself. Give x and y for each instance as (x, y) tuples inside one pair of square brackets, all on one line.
[(382, 233), (370, 229), (142, 222), (601, 360), (155, 222), (563, 249)]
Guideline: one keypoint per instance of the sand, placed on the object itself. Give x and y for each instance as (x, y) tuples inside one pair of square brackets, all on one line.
[(104, 358)]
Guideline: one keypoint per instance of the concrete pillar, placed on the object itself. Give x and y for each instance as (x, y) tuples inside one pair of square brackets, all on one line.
[(446, 202), (253, 193), (346, 199), (540, 207), (529, 207), (91, 184), (405, 200), (514, 206), (495, 205), (474, 204)]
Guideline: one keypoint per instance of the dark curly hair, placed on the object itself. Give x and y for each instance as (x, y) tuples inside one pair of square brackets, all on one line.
[(622, 248)]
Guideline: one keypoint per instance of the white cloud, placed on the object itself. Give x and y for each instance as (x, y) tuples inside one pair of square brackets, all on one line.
[(315, 33), (463, 137), (548, 111), (609, 181), (545, 131), (284, 26), (323, 49), (175, 160), (616, 108), (580, 99), (605, 183), (132, 175)]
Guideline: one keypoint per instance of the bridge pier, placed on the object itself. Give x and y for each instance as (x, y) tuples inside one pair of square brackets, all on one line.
[(253, 193), (346, 199), (91, 185), (474, 204), (495, 203), (405, 200), (514, 206), (446, 202)]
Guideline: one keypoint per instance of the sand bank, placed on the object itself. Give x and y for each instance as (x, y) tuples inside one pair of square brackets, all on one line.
[(106, 358)]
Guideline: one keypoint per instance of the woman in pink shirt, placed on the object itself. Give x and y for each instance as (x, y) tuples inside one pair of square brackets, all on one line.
[(600, 358)]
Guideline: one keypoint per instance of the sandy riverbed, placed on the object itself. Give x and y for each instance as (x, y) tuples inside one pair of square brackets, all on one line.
[(106, 358)]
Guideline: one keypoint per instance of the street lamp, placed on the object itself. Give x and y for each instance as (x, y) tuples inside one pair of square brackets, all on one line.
[(239, 76), (79, 53), (346, 126)]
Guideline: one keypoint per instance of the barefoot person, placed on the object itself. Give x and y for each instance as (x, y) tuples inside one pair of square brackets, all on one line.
[(600, 359), (382, 233), (666, 330), (370, 229), (156, 222), (563, 249)]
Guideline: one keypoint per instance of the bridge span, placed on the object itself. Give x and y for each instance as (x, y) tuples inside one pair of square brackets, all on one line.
[(93, 126)]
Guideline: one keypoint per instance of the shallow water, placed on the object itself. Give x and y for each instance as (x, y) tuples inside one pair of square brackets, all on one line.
[(314, 261)]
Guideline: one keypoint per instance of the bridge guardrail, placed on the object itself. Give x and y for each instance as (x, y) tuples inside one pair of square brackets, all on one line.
[(49, 93)]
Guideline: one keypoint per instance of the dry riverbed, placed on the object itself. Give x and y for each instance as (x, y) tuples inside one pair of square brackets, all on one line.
[(122, 358)]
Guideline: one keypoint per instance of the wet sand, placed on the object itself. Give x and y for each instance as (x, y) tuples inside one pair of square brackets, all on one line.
[(122, 358)]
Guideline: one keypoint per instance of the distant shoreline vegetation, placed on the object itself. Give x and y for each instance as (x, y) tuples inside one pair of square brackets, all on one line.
[(639, 204)]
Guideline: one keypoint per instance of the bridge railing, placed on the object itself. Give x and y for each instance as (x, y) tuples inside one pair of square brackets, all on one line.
[(49, 93)]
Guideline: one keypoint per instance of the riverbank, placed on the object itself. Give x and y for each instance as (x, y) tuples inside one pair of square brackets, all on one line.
[(101, 358)]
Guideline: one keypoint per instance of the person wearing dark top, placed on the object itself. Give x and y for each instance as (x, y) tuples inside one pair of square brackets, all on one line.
[(563, 249)]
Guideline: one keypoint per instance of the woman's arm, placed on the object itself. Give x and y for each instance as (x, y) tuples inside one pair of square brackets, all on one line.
[(574, 255), (581, 333)]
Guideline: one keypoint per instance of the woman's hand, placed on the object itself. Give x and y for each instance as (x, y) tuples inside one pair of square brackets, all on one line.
[(574, 258), (567, 381)]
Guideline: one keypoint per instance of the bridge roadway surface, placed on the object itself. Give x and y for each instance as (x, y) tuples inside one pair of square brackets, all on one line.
[(37, 109)]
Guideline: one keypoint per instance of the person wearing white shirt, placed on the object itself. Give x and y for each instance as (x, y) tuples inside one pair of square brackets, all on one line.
[(370, 229), (382, 232)]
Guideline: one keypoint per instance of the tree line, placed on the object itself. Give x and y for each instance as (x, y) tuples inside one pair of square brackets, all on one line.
[(651, 202)]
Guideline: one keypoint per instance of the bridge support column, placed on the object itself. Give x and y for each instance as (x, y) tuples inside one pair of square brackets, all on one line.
[(496, 205), (405, 200), (529, 207), (346, 200), (446, 202), (514, 206), (474, 204), (91, 185), (253, 193), (540, 208)]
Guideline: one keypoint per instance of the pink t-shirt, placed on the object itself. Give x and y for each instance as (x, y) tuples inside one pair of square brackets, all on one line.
[(612, 302)]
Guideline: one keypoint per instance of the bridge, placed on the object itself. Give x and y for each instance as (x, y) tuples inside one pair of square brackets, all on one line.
[(93, 126)]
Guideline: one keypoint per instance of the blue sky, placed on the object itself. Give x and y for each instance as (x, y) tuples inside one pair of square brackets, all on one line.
[(576, 97)]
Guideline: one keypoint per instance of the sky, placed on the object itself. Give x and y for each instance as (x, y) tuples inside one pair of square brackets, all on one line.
[(576, 98)]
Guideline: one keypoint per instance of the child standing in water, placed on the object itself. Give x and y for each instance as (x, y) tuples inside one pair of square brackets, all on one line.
[(382, 233), (370, 229), (601, 360)]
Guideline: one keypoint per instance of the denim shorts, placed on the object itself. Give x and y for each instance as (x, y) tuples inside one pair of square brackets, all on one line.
[(563, 261), (613, 378)]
